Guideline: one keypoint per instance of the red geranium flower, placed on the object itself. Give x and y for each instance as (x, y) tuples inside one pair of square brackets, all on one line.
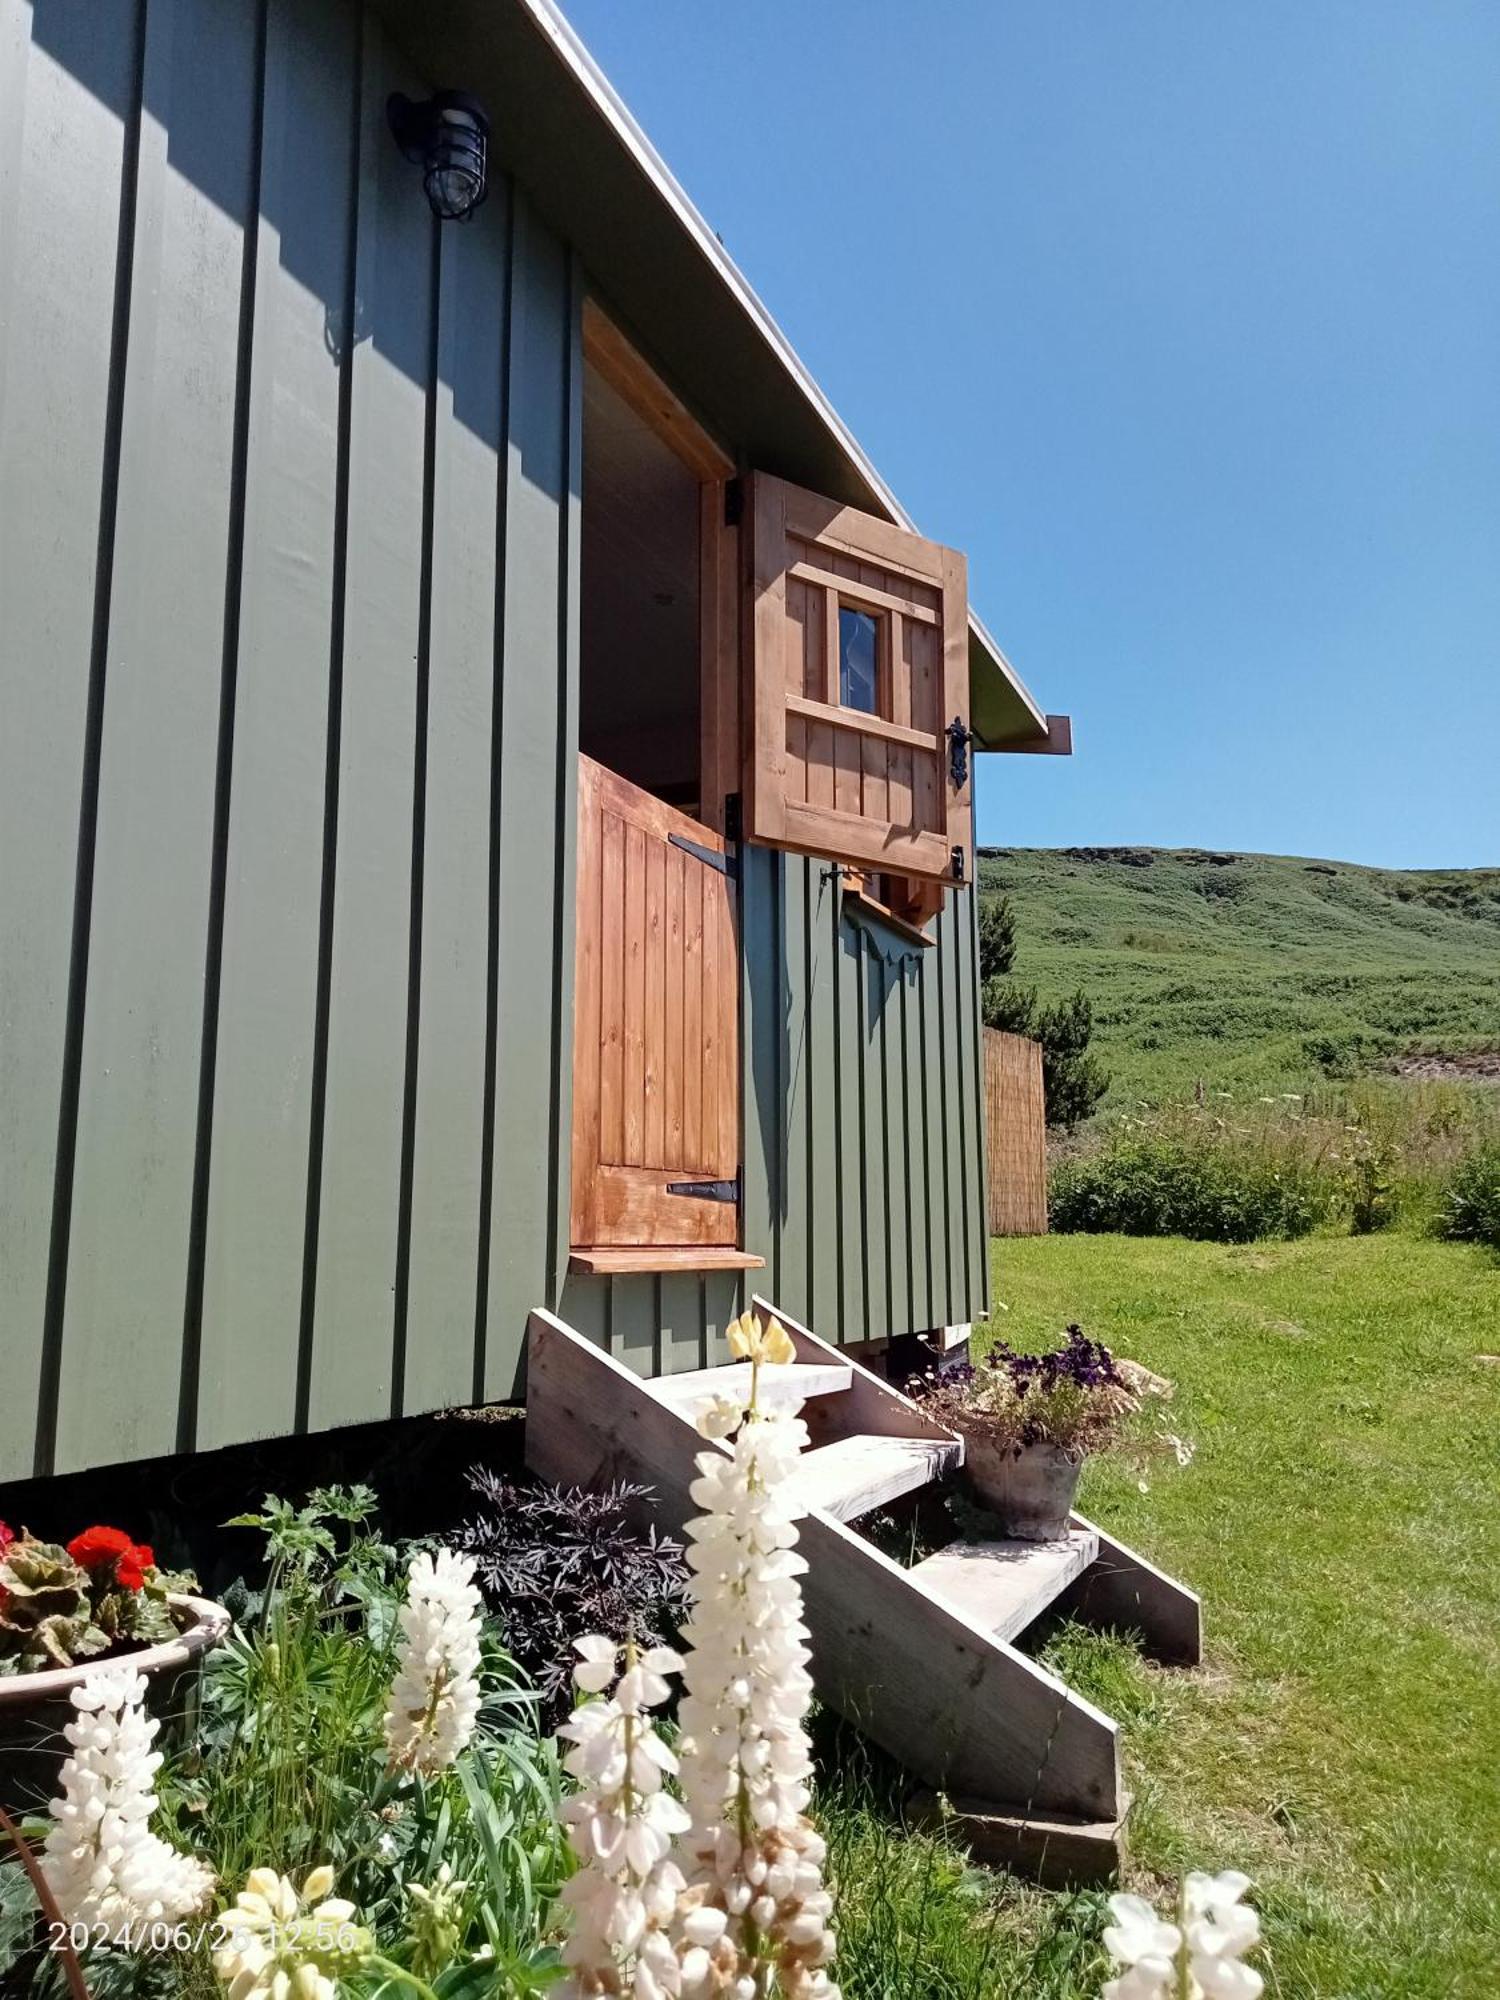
[(132, 1567), (98, 1548)]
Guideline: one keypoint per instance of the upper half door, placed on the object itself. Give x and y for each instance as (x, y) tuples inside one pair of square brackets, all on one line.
[(857, 642), (656, 1105)]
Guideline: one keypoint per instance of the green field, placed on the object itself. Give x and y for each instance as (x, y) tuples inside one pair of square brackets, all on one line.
[(1341, 1742), (1254, 972)]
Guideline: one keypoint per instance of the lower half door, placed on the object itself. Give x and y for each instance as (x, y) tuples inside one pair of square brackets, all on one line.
[(656, 1074)]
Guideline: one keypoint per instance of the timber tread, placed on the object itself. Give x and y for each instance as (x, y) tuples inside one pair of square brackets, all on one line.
[(1004, 1586), (778, 1386), (854, 1475)]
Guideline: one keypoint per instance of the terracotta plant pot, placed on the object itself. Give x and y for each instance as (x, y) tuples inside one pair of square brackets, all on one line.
[(35, 1708), (1030, 1487)]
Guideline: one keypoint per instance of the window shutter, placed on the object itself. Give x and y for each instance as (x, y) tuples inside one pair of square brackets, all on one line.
[(858, 649)]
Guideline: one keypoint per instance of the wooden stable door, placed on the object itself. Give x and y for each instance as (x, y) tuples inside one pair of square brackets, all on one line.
[(857, 643), (656, 1071)]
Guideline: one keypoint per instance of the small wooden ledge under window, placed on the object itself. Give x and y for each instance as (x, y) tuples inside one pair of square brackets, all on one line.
[(610, 1258), (855, 892)]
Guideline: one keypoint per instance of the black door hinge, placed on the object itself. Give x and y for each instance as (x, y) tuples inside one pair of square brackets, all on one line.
[(959, 738), (734, 502), (722, 864), (958, 864), (707, 1190)]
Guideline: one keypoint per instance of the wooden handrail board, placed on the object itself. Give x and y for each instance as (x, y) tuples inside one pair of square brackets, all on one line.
[(959, 1708), (1122, 1591)]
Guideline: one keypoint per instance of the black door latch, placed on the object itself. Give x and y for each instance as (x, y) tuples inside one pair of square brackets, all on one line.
[(959, 738)]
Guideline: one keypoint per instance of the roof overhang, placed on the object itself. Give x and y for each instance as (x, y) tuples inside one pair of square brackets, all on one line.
[(560, 127)]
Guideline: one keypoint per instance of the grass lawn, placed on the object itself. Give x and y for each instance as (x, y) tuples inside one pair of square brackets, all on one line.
[(1341, 1743)]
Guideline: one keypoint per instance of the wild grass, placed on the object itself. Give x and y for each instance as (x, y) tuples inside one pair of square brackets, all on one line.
[(1342, 1521), (1355, 1156), (1254, 973)]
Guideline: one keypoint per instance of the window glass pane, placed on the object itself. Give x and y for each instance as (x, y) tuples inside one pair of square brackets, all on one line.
[(859, 673)]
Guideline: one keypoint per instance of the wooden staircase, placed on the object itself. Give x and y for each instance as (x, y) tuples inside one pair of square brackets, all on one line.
[(919, 1659)]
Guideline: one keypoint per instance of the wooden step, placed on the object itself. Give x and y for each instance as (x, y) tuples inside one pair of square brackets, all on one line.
[(795, 1383), (854, 1474), (1059, 1852), (1004, 1586)]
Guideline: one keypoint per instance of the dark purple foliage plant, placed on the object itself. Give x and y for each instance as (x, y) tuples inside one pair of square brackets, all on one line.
[(555, 1562)]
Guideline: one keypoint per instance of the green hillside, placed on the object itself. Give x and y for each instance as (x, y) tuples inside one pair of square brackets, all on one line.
[(1255, 971)]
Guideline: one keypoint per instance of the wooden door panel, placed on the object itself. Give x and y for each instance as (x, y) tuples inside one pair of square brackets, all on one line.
[(656, 1034), (826, 775)]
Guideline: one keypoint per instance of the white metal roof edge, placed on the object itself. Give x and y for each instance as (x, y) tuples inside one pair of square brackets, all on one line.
[(571, 50)]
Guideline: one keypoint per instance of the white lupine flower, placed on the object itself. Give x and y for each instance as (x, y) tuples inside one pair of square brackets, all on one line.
[(1147, 1947), (1197, 1957), (101, 1860), (434, 1698), (1220, 1929), (622, 1824), (282, 1943), (756, 1904)]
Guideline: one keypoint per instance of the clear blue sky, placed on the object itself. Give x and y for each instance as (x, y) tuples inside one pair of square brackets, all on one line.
[(1183, 319)]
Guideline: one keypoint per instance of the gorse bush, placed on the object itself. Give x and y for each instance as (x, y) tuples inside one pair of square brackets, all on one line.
[(1470, 1211), (1145, 1185)]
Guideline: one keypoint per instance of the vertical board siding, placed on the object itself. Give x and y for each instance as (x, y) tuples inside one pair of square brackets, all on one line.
[(264, 1065), (531, 816), (359, 1193), (128, 1249), (66, 153), (453, 1027), (288, 559)]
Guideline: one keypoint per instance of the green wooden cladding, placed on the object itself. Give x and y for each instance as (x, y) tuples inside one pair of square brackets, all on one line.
[(289, 490)]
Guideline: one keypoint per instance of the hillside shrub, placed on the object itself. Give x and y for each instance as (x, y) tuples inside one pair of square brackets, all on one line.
[(1470, 1211), (1153, 1185)]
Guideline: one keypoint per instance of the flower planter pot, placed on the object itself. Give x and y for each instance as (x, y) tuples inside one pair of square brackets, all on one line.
[(1030, 1487), (35, 1708)]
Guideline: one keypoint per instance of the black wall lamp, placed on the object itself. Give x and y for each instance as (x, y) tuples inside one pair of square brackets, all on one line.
[(447, 136)]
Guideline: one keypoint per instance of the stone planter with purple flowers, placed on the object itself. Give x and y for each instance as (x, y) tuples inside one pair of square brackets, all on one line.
[(1029, 1488), (1028, 1422)]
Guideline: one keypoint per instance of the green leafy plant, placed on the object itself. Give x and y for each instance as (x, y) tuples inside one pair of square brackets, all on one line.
[(1470, 1210), (1149, 1185), (288, 1765), (556, 1561)]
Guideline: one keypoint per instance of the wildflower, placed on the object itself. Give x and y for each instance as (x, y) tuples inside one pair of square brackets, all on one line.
[(621, 1824), (101, 1860), (436, 1925), (756, 1905), (283, 1942), (750, 1340), (434, 1698), (1146, 1946), (1198, 1957)]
